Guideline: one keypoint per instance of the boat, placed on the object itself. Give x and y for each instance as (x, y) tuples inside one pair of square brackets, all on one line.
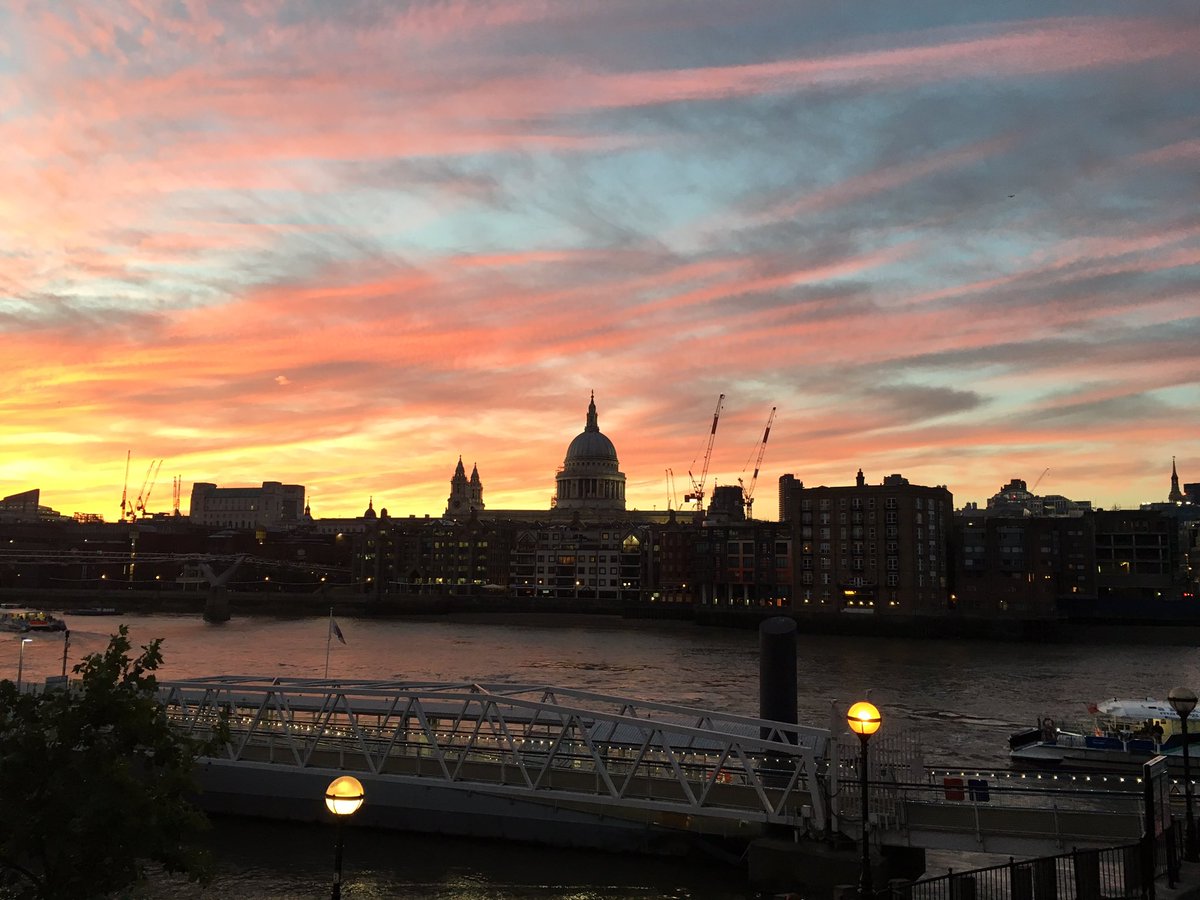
[(1122, 734), (94, 611), (36, 620), (11, 622)]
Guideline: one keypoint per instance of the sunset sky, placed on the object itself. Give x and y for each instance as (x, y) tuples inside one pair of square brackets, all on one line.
[(342, 244)]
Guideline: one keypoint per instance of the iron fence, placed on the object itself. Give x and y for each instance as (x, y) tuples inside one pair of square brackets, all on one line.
[(1127, 872), (1168, 853)]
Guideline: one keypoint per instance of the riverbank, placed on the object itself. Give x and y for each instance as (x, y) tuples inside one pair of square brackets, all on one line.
[(488, 607), (291, 605)]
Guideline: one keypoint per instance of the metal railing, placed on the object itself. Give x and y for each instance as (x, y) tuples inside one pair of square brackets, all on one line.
[(1021, 819), (1128, 871), (528, 741), (1117, 872)]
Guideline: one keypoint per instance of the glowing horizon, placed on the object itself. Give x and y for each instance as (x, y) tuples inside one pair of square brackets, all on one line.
[(342, 246)]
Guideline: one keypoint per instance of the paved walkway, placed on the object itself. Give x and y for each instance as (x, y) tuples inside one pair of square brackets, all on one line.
[(1187, 888)]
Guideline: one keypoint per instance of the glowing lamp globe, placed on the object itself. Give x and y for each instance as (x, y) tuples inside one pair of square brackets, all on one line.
[(1182, 700), (864, 719), (344, 795)]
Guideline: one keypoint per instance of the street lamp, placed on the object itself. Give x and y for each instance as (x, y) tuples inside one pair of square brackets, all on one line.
[(1183, 700), (21, 662), (864, 720), (343, 797)]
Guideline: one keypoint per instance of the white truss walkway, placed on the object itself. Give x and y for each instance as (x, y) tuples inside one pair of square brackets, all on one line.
[(533, 742)]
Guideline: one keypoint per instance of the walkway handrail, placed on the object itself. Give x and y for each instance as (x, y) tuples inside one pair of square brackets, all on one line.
[(1125, 871), (526, 740)]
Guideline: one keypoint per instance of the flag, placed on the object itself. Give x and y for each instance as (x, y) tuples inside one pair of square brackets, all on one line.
[(335, 631)]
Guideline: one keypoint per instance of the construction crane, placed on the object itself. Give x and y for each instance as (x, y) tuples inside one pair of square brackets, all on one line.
[(748, 492), (125, 488), (671, 500), (139, 508), (176, 490), (1039, 479), (697, 493)]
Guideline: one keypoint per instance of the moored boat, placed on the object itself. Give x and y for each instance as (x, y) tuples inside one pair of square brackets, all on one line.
[(94, 611), (13, 622), (1122, 734), (42, 621)]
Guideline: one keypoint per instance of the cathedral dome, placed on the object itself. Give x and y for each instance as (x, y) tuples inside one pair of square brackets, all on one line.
[(591, 445), (590, 477)]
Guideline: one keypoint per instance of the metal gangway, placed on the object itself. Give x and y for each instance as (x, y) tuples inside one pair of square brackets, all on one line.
[(660, 763), (457, 747)]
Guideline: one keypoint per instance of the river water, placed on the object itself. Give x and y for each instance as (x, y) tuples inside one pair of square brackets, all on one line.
[(961, 698)]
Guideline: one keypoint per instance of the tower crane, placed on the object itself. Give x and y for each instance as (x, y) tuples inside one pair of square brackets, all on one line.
[(697, 493), (139, 507), (672, 502), (1039, 479), (125, 488), (748, 492)]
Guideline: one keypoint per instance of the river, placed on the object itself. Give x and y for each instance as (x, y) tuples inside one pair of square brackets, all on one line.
[(961, 698)]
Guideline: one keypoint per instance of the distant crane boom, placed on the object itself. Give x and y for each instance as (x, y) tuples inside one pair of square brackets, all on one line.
[(748, 492), (698, 484), (1039, 479), (139, 506), (125, 487), (153, 481)]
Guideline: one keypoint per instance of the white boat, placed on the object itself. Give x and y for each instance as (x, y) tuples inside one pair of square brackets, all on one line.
[(1121, 734), (11, 622)]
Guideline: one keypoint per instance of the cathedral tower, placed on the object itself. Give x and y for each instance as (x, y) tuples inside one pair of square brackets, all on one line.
[(590, 478), (466, 496)]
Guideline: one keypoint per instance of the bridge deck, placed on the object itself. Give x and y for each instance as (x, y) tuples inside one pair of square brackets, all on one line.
[(631, 759), (528, 741)]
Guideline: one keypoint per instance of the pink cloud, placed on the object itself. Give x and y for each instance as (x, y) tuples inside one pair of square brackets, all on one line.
[(1042, 47), (139, 308)]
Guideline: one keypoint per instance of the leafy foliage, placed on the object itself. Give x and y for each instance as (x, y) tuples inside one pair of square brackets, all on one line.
[(94, 783)]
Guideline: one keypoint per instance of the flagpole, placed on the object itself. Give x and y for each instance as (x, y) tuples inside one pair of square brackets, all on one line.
[(328, 638)]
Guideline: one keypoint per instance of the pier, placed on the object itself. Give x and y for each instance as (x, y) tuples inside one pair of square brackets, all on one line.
[(576, 768), (528, 761)]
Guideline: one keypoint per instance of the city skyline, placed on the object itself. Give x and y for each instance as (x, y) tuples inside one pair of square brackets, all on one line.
[(341, 247)]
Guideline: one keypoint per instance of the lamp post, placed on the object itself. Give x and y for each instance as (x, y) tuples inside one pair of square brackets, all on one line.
[(1183, 701), (343, 797), (21, 662), (864, 720)]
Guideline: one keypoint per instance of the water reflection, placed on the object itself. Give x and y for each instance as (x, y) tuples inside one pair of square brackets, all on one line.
[(962, 699), (291, 860)]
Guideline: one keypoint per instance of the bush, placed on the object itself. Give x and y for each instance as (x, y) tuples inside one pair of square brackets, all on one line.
[(95, 784)]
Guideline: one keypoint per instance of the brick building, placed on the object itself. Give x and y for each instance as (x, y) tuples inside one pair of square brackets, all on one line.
[(870, 548)]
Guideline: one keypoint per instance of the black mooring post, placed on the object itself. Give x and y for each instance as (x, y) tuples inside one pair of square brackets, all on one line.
[(777, 670)]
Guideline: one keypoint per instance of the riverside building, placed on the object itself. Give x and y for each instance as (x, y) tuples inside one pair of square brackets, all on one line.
[(870, 549), (274, 505), (585, 545)]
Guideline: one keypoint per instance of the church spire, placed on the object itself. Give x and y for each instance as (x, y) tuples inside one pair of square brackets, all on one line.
[(465, 495), (1176, 495), (592, 425)]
